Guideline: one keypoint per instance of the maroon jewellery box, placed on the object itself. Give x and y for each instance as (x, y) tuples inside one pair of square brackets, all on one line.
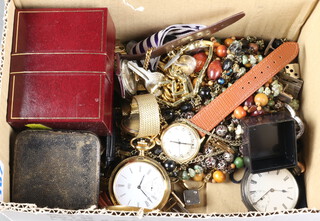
[(61, 73)]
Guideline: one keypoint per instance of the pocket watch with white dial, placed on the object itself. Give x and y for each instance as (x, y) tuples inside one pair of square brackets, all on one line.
[(140, 181), (270, 191), (180, 142)]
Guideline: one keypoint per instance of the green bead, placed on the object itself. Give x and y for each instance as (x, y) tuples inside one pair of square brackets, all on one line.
[(192, 173), (260, 57), (271, 103), (266, 109), (185, 175), (261, 90), (245, 59), (295, 104), (198, 169), (241, 71), (253, 60), (276, 92), (267, 91), (275, 82), (219, 40), (238, 162)]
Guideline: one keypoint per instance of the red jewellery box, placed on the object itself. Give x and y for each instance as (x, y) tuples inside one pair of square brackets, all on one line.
[(61, 73)]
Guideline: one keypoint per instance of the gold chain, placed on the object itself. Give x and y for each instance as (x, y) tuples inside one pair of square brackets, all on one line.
[(197, 159), (201, 158), (161, 156), (147, 59), (230, 142)]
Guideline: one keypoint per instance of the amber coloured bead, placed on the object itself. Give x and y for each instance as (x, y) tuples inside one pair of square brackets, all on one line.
[(201, 60), (198, 177), (214, 70), (261, 99), (216, 44), (228, 41), (219, 176), (221, 51), (239, 112)]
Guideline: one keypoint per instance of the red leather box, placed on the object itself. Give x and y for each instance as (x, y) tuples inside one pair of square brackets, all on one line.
[(61, 72)]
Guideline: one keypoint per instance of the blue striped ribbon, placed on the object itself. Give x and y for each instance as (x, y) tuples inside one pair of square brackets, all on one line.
[(161, 37)]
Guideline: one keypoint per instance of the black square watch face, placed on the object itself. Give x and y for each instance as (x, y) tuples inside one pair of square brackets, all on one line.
[(269, 142)]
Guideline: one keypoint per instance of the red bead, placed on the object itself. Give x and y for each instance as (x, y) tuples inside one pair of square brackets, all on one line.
[(214, 70), (201, 59), (249, 101), (253, 108), (257, 113), (254, 47), (239, 112), (221, 51)]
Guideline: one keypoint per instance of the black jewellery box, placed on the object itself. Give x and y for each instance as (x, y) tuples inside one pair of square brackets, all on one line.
[(269, 142), (56, 169)]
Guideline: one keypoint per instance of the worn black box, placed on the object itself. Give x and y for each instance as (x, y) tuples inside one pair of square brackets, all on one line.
[(56, 169)]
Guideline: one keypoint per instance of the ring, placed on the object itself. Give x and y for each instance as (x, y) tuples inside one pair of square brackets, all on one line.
[(233, 180)]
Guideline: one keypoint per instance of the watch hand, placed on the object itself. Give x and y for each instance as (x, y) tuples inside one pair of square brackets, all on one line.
[(181, 142), (261, 198), (146, 195), (139, 187), (284, 191)]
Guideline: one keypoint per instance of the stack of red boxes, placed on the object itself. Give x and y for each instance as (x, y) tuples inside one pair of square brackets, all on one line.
[(61, 72)]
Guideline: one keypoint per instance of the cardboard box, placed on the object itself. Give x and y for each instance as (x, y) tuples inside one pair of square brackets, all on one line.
[(294, 19), (61, 72)]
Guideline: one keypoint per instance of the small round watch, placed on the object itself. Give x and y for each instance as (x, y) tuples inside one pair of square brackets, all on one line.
[(180, 142), (140, 181), (269, 191)]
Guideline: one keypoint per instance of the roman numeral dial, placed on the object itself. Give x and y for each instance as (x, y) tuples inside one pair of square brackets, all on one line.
[(270, 191)]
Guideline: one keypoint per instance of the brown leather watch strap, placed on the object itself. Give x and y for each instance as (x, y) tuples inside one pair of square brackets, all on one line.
[(202, 33), (212, 114)]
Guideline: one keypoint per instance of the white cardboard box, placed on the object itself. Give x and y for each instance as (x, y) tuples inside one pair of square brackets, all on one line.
[(134, 19)]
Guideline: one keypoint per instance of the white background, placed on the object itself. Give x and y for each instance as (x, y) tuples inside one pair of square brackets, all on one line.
[(19, 216)]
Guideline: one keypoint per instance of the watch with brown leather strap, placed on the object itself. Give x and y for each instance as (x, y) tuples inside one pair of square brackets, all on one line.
[(212, 114)]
